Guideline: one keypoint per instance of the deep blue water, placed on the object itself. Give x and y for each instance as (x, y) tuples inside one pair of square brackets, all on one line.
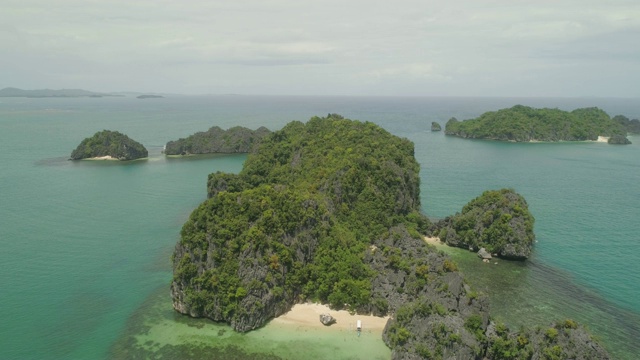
[(84, 244)]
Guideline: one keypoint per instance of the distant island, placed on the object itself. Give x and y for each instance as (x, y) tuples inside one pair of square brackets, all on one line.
[(329, 211), (525, 124), (435, 126), (109, 145), (149, 97), (47, 93), (237, 139)]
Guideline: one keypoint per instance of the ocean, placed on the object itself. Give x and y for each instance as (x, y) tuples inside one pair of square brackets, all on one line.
[(86, 246)]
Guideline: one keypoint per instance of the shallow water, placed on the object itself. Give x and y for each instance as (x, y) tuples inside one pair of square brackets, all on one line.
[(86, 246)]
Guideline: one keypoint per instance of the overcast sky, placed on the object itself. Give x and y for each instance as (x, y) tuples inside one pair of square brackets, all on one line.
[(368, 47)]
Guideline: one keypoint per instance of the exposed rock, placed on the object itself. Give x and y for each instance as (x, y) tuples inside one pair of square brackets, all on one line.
[(435, 126), (484, 254), (327, 319), (619, 140)]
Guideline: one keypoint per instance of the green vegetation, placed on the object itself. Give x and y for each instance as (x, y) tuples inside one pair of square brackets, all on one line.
[(109, 143), (560, 341), (522, 123), (329, 211), (215, 140), (301, 214), (435, 126), (632, 126), (497, 220)]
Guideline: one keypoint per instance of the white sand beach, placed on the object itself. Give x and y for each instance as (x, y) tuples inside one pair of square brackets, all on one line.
[(106, 157), (308, 315)]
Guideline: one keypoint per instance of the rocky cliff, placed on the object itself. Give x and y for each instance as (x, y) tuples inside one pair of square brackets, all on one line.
[(109, 143)]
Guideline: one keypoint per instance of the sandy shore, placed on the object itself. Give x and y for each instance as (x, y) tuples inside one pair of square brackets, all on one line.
[(106, 157), (308, 315)]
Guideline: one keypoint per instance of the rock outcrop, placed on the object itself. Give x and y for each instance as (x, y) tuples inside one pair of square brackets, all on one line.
[(484, 254), (619, 140), (435, 126), (327, 319), (109, 143), (215, 140), (498, 221)]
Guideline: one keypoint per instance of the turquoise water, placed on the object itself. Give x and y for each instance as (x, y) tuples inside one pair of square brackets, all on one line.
[(86, 246)]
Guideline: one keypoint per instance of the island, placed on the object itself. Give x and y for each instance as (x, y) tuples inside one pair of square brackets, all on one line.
[(525, 124), (632, 126), (237, 139), (109, 145), (497, 221), (328, 211), (435, 126), (149, 97), (47, 93)]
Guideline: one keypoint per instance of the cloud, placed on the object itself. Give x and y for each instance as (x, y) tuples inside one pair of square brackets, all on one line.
[(361, 47)]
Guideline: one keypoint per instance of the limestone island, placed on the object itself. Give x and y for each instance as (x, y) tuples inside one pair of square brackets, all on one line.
[(109, 145), (237, 139), (149, 97), (525, 124), (497, 222), (328, 212), (435, 126)]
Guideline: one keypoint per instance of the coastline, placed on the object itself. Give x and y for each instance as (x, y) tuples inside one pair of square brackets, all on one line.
[(308, 316), (106, 157)]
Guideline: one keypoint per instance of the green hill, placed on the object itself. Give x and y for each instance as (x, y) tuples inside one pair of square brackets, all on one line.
[(109, 143), (522, 124), (215, 140)]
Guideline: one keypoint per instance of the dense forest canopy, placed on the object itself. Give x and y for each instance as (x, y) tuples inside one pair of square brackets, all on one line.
[(109, 143), (522, 123), (237, 139)]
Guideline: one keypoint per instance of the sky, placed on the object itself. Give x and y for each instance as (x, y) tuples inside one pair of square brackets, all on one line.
[(302, 47)]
